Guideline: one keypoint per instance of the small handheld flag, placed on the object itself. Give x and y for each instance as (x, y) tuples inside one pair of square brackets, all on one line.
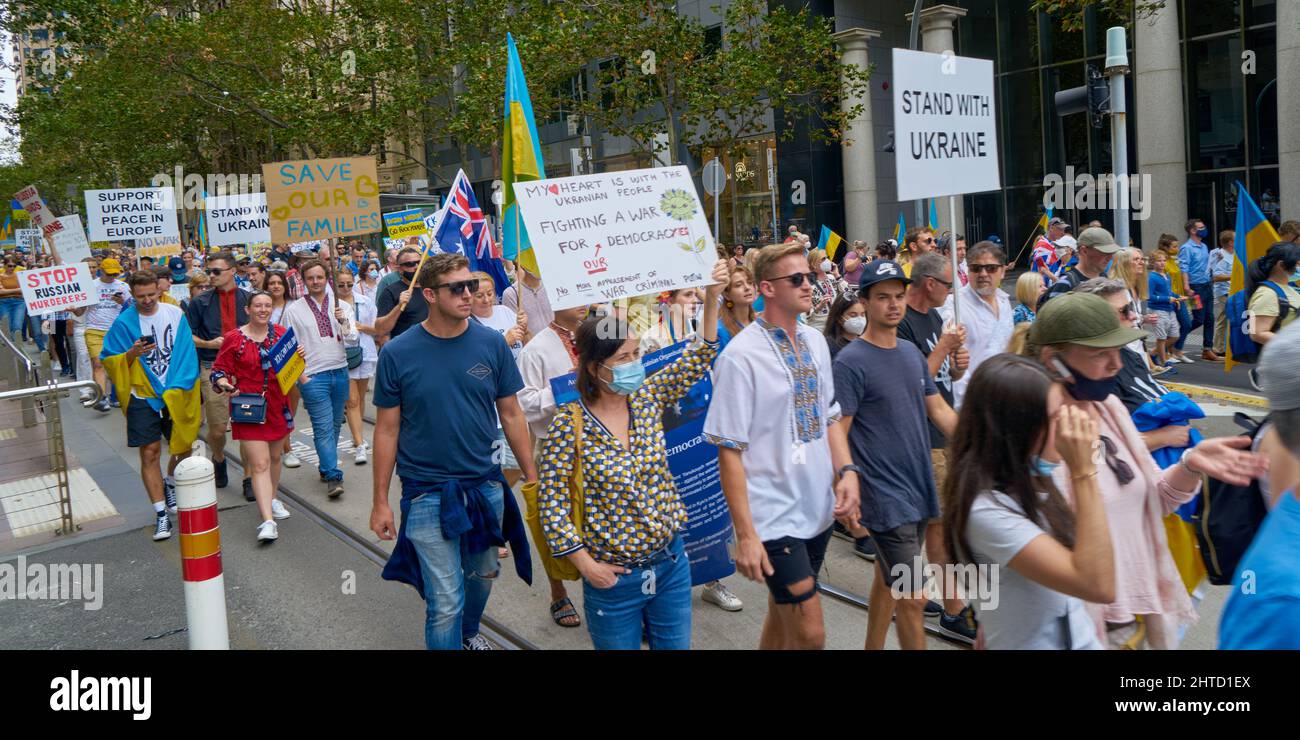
[(830, 242)]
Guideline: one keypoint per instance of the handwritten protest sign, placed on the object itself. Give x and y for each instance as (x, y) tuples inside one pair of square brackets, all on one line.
[(131, 213), (70, 240), (617, 234), (158, 247), (41, 216), (406, 223), (58, 288), (322, 198), (29, 238), (237, 219), (287, 362)]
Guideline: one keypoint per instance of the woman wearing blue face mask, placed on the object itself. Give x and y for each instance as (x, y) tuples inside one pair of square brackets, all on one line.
[(629, 534)]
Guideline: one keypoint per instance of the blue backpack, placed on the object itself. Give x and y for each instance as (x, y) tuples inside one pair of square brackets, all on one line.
[(1244, 349)]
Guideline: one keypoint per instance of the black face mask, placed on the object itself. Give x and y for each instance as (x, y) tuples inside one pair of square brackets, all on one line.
[(408, 276), (1084, 389)]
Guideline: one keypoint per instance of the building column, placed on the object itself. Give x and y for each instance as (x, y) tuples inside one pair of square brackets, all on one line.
[(858, 147), (938, 24), (1161, 137), (1288, 107)]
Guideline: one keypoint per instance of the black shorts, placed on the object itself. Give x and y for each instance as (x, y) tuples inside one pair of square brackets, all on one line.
[(793, 560), (901, 545), (144, 425)]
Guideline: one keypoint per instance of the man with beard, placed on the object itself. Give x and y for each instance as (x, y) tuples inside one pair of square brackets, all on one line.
[(985, 310), (398, 305)]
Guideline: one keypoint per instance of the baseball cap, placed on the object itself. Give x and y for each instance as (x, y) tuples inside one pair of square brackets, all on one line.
[(176, 264), (1067, 241), (1099, 239), (110, 266), (878, 271), (1081, 318), (1279, 369), (1058, 221), (995, 239)]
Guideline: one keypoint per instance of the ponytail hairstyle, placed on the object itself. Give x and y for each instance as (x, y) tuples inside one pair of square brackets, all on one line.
[(1286, 253)]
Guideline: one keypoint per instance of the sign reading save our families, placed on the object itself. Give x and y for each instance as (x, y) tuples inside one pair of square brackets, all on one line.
[(131, 213), (945, 125), (287, 361), (617, 234), (322, 198), (58, 288), (237, 219)]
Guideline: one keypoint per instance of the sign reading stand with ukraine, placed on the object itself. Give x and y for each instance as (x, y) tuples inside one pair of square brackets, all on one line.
[(287, 361)]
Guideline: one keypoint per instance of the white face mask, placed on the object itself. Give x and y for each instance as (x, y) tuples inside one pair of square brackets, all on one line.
[(855, 325), (827, 265)]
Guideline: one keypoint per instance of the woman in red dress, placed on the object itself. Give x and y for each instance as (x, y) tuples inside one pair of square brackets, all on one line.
[(243, 365)]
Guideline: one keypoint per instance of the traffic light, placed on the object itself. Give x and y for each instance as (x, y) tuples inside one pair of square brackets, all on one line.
[(1092, 98)]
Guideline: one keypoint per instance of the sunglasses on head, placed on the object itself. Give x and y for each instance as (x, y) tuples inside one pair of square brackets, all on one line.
[(796, 279), (460, 286), (990, 269)]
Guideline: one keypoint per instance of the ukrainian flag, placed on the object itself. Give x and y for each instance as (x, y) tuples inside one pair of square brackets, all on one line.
[(521, 159), (1045, 219), (1254, 236), (179, 394), (4, 232), (830, 241), (900, 228), (934, 216)]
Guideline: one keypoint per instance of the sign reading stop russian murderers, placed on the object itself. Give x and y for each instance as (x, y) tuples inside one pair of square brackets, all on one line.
[(237, 219), (617, 234), (322, 198), (131, 213), (945, 125), (59, 288)]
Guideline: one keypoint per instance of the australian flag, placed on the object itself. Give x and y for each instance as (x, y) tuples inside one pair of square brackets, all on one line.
[(461, 228)]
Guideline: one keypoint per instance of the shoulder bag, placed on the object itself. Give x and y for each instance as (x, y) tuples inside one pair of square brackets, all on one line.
[(250, 408), (560, 569)]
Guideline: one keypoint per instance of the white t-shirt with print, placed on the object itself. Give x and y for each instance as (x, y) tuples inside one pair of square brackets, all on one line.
[(101, 315), (162, 327)]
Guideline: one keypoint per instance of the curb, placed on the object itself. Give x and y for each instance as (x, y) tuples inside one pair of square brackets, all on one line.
[(1241, 399)]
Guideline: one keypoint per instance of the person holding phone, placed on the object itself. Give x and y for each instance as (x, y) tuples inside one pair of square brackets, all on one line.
[(243, 365)]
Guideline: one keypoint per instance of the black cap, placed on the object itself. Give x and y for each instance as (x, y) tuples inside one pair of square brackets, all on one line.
[(878, 271)]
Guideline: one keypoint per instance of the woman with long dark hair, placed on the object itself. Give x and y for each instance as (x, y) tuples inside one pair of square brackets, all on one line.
[(846, 322), (1267, 283), (1004, 511)]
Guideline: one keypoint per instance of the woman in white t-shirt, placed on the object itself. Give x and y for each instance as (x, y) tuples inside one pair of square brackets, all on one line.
[(485, 309), (364, 314), (1007, 517)]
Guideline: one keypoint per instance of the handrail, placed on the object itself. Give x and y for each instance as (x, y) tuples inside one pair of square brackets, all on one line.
[(31, 366), (40, 390)]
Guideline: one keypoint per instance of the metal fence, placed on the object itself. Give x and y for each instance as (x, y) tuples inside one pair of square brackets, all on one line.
[(34, 488)]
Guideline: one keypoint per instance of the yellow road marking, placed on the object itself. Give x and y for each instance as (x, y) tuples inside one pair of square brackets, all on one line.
[(1242, 399)]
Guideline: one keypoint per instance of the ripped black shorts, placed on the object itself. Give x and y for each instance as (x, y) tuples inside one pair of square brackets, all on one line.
[(794, 560)]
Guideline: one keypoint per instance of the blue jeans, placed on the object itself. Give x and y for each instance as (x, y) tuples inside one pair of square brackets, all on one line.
[(13, 311), (1184, 314), (1205, 316), (659, 595), (456, 583), (34, 326), (324, 398)]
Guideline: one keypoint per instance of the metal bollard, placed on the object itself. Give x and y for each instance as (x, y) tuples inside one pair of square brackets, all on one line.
[(205, 586)]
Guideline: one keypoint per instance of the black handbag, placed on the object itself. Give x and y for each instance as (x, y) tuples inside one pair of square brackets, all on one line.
[(250, 408)]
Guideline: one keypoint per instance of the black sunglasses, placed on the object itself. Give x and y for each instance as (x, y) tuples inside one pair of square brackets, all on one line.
[(796, 279), (990, 269), (217, 270), (1120, 468), (460, 286), (408, 264), (944, 283)]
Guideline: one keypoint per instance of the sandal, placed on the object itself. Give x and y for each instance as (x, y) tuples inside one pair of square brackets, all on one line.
[(562, 610)]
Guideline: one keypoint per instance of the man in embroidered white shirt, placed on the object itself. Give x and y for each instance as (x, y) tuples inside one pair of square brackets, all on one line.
[(985, 310)]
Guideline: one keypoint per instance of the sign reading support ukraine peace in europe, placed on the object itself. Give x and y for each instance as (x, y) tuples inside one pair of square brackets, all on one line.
[(287, 361), (322, 198)]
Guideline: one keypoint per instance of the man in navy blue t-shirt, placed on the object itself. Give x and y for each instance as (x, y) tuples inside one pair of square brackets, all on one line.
[(439, 389)]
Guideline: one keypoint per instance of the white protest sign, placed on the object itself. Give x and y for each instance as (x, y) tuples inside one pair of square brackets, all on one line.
[(617, 234), (945, 125), (237, 219), (30, 199), (70, 240), (30, 238), (58, 288), (131, 213), (311, 246), (179, 291)]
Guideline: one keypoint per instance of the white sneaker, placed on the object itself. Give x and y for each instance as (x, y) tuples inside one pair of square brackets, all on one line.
[(290, 460), (277, 509), (359, 457), (162, 527), (720, 596), (267, 531)]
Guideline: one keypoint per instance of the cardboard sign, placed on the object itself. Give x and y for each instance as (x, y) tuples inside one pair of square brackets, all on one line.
[(156, 248), (131, 213), (58, 288), (401, 224), (70, 240), (237, 219), (31, 202), (287, 361), (617, 234), (945, 125), (322, 198)]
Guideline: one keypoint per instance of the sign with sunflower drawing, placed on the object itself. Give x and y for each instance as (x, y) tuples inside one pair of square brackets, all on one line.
[(617, 234)]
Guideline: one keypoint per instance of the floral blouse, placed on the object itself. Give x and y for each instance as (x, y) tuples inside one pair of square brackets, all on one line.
[(631, 501)]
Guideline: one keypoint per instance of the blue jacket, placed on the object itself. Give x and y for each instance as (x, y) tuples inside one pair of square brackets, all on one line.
[(463, 511), (1172, 408), (1159, 294)]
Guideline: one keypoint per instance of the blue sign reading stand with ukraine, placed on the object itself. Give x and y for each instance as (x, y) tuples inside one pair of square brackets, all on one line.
[(709, 536)]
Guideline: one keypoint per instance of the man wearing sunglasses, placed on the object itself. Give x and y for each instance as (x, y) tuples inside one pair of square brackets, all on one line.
[(985, 310), (918, 241), (400, 304), (211, 315)]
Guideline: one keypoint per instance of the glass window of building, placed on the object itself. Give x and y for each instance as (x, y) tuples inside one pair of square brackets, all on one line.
[(1215, 94), (1202, 17)]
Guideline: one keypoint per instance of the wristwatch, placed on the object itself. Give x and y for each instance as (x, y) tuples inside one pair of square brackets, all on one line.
[(840, 473)]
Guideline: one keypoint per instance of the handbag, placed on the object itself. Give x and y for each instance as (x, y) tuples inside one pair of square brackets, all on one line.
[(353, 354), (560, 569), (250, 408)]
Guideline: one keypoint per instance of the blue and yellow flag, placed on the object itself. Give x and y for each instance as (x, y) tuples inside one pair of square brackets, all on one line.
[(179, 394), (1254, 236), (934, 216), (521, 159), (4, 232), (900, 229), (830, 241)]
